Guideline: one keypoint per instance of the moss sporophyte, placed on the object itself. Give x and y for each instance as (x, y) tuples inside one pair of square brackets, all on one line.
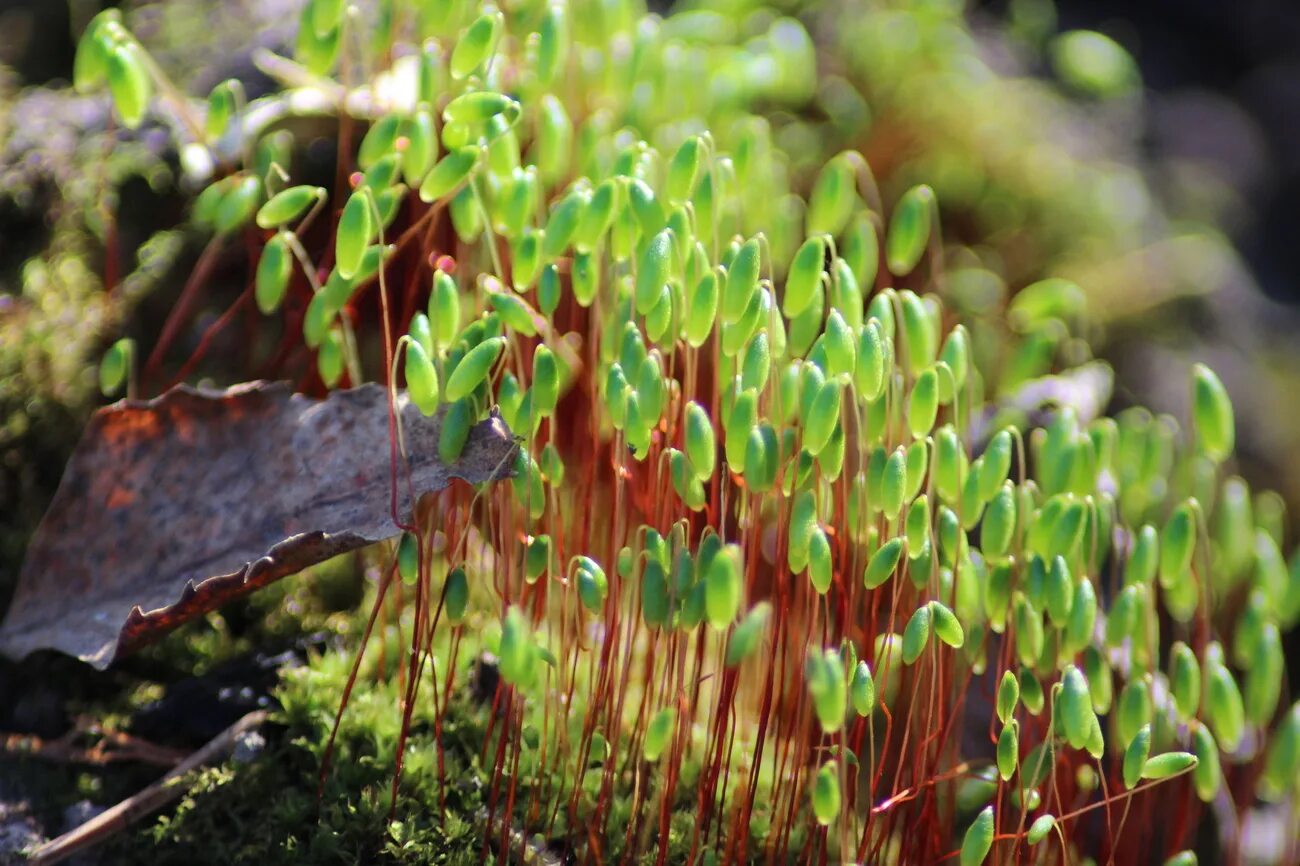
[(781, 548)]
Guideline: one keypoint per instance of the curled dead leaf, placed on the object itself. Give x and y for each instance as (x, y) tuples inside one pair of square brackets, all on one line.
[(174, 506)]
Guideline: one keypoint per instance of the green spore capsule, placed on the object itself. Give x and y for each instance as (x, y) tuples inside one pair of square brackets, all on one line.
[(862, 689), (419, 151), (546, 380), (1224, 708), (1212, 413), (826, 794), (923, 404), (90, 64), (1185, 680), (862, 249), (883, 563), (741, 283), (917, 634), (804, 277), (870, 366), (821, 419), (1008, 751), (454, 433), (563, 223), (238, 204), (918, 333), (593, 585), (833, 196), (654, 271), (701, 448), (129, 82), (743, 417), (745, 637), (894, 482), (474, 368), (1135, 756), (115, 366), (1074, 708), (841, 353), (724, 585), (287, 205), (329, 359), (476, 44), (658, 733), (421, 378), (456, 595), (946, 626), (356, 226), (1208, 775), (1038, 830), (683, 170), (1177, 545), (1168, 764), (1083, 616), (449, 174), (978, 840), (408, 558), (909, 230), (819, 561), (537, 557), (379, 141), (1008, 697)]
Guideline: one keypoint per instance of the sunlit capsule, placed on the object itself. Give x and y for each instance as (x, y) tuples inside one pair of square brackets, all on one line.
[(546, 381), (1058, 592), (563, 223), (917, 634), (919, 338), (537, 557), (1265, 677), (978, 840), (1008, 751), (804, 278), (683, 170), (356, 226), (1168, 764), (841, 354), (238, 204), (1208, 776), (273, 271), (724, 586), (1008, 697), (946, 626), (1185, 680), (747, 635), (870, 361), (819, 423), (894, 482), (593, 585), (115, 366), (1212, 412), (329, 358), (862, 249), (862, 689), (833, 196), (315, 51), (741, 282), (956, 354), (420, 149), (421, 378), (1145, 557), (380, 141), (819, 561), (917, 523), (656, 602), (999, 523), (883, 563), (826, 794), (454, 432), (287, 205), (449, 174), (1135, 756), (553, 48), (1082, 618), (1074, 707), (444, 309), (923, 403), (909, 230), (653, 272), (743, 416), (476, 44), (1038, 830), (1177, 544), (90, 65), (129, 82), (474, 368)]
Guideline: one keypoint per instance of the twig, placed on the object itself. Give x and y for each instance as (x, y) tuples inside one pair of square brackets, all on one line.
[(130, 810), (114, 747)]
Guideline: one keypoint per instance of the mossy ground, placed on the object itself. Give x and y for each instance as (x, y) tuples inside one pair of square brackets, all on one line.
[(266, 809)]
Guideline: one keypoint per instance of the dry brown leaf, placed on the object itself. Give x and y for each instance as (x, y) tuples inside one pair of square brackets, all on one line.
[(174, 506)]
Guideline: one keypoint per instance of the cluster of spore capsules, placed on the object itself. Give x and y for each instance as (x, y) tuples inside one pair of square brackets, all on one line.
[(784, 548)]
